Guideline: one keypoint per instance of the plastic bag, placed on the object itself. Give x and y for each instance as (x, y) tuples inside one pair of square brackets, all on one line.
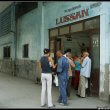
[(56, 80)]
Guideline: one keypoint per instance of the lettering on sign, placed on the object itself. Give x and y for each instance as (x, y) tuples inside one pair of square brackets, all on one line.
[(95, 5), (79, 14), (73, 8), (72, 16)]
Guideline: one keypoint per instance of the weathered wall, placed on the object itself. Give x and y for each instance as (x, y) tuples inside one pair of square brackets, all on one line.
[(109, 83), (7, 40), (108, 48), (58, 10), (30, 31), (7, 65), (104, 53), (26, 69)]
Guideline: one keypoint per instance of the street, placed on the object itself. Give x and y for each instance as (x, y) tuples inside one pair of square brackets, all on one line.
[(21, 93)]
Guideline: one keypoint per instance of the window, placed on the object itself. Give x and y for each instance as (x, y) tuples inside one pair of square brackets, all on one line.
[(25, 51), (77, 27), (92, 24), (64, 30), (5, 21), (6, 52)]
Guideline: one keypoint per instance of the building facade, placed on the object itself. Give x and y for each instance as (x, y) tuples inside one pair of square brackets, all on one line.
[(57, 25)]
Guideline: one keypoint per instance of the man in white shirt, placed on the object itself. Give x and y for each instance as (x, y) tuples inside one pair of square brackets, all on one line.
[(84, 75)]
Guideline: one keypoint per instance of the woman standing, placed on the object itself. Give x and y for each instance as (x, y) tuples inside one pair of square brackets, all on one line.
[(77, 62), (46, 78)]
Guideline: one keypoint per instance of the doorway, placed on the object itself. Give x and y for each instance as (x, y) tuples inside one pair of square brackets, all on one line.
[(85, 32)]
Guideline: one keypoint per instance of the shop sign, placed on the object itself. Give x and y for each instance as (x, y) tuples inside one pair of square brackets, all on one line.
[(73, 16), (79, 14)]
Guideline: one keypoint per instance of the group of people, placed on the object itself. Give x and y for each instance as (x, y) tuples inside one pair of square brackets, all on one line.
[(63, 67)]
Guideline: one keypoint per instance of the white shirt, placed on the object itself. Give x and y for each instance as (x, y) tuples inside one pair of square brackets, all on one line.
[(70, 61), (86, 67), (65, 55)]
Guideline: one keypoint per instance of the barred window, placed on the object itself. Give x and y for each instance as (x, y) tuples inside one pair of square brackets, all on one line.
[(6, 52), (10, 14), (5, 22)]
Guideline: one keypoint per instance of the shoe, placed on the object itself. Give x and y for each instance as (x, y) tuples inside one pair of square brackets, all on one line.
[(66, 104), (51, 106), (82, 97), (78, 95), (43, 105), (59, 101)]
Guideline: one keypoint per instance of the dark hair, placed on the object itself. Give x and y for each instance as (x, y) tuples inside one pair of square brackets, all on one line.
[(46, 51), (68, 50), (83, 44)]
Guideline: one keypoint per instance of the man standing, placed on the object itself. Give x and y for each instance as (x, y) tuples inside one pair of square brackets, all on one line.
[(84, 75), (62, 71), (71, 64)]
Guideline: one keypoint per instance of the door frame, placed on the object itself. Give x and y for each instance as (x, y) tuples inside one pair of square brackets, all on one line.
[(83, 21)]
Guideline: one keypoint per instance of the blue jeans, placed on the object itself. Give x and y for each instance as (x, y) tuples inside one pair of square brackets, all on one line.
[(62, 89)]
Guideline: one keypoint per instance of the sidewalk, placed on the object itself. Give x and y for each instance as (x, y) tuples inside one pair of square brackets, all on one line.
[(21, 93)]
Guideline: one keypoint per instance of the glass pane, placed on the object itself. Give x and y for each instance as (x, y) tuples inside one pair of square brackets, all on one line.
[(77, 27), (91, 24), (64, 30)]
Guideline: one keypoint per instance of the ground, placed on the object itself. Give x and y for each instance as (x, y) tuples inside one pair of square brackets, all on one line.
[(21, 93)]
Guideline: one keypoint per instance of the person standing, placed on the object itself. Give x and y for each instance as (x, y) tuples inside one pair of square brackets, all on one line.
[(84, 75), (46, 78), (71, 64), (77, 62), (62, 72)]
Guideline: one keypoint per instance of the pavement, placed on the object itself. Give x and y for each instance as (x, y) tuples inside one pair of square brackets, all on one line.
[(17, 92)]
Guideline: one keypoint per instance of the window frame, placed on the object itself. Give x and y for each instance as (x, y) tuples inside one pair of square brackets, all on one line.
[(7, 52), (26, 55)]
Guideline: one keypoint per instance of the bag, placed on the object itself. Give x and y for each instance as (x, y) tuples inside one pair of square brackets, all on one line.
[(56, 80)]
